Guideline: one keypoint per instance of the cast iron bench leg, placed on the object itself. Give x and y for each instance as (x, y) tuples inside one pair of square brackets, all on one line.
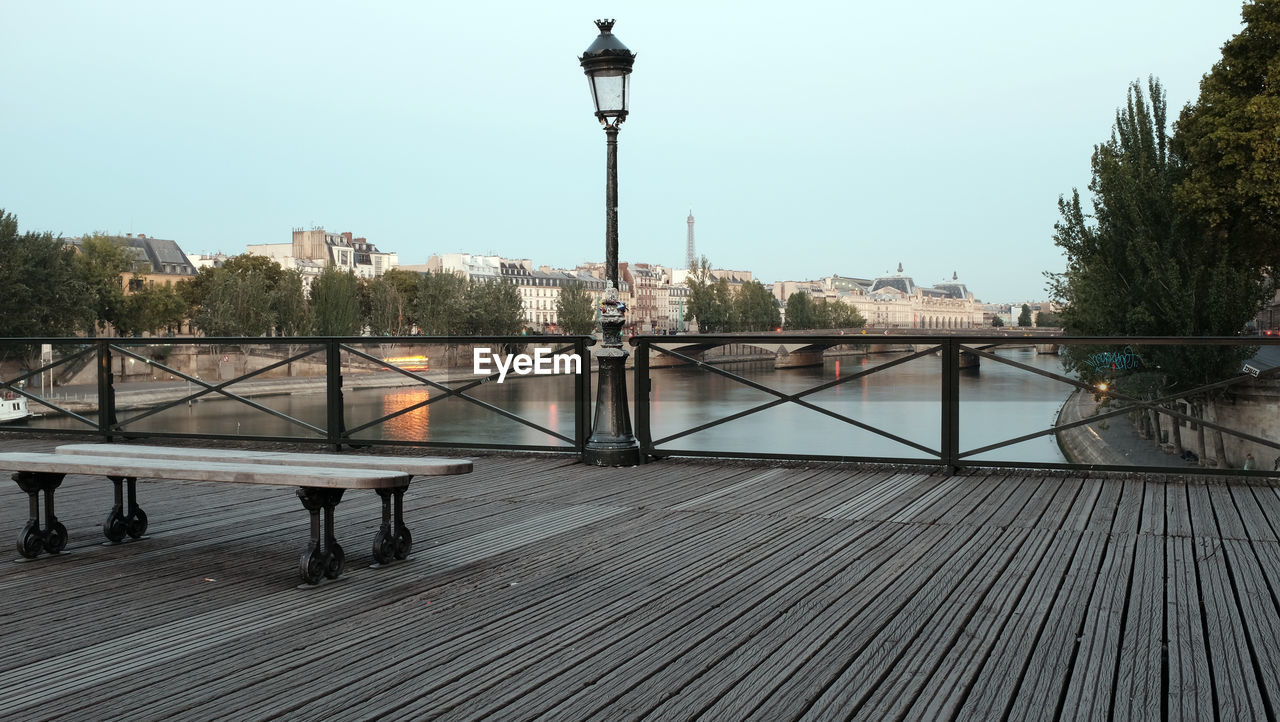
[(327, 559), (32, 540), (393, 540), (119, 521)]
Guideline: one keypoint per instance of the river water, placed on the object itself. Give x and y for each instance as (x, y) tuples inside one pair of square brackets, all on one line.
[(998, 402)]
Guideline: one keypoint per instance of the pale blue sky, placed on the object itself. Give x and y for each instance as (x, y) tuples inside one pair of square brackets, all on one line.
[(809, 138)]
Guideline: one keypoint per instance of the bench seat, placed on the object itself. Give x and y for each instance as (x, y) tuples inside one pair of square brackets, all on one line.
[(319, 485), (411, 465)]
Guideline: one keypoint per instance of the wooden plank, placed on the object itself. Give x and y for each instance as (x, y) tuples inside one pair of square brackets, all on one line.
[(1103, 516), (1153, 508), (1139, 689), (1258, 505), (1230, 525), (1049, 505), (661, 672), (714, 598), (1091, 687), (1235, 687), (1050, 666), (878, 667), (1023, 487), (1189, 694), (1177, 509), (992, 690), (1253, 578), (862, 633), (1129, 507), (929, 681), (1077, 517)]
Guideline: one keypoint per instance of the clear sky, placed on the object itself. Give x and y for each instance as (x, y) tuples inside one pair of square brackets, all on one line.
[(808, 138)]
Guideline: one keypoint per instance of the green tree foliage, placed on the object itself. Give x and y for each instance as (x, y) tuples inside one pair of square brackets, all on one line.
[(1048, 319), (806, 314), (709, 299), (840, 315), (101, 265), (1229, 139), (493, 308), (575, 309), (279, 297), (387, 310), (40, 292), (802, 312), (1143, 267), (441, 304), (289, 305), (1024, 318), (997, 322), (150, 308), (235, 304), (757, 309), (335, 304)]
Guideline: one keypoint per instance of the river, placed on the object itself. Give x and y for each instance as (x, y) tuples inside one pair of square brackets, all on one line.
[(998, 402)]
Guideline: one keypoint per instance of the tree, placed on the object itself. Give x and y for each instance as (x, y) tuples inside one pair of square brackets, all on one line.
[(441, 304), (802, 312), (386, 312), (335, 307), (756, 308), (708, 299), (101, 264), (40, 292), (235, 305), (1024, 318), (493, 308), (1048, 319), (1229, 140), (575, 309), (269, 295), (149, 308), (289, 305), (997, 322), (839, 314), (1149, 265)]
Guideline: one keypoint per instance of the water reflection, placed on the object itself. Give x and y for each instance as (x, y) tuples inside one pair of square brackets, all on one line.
[(413, 424)]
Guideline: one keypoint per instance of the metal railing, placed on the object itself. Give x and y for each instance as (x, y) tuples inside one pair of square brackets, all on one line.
[(273, 373), (944, 449)]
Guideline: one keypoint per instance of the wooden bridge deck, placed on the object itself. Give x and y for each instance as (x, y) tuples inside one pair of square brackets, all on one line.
[(669, 591)]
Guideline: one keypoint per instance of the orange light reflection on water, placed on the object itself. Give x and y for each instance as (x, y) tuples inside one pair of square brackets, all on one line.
[(413, 425)]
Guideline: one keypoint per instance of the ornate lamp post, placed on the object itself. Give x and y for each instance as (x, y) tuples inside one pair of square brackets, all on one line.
[(607, 63)]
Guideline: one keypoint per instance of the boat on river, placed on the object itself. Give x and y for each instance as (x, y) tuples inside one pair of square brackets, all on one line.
[(13, 408)]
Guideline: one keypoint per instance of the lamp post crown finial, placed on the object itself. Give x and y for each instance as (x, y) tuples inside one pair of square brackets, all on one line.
[(606, 26)]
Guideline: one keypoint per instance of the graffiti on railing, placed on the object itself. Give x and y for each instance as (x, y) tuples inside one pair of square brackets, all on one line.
[(1124, 360)]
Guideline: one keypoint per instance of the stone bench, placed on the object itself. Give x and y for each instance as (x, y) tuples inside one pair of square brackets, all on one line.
[(320, 479)]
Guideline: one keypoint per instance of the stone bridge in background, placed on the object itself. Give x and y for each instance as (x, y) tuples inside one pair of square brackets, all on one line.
[(798, 354)]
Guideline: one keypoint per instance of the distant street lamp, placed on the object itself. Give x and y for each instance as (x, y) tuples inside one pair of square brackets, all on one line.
[(607, 63)]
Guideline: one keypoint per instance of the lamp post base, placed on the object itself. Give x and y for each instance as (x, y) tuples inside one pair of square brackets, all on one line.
[(611, 442), (616, 454)]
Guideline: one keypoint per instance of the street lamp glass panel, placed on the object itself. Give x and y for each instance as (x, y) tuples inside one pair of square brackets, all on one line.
[(610, 90)]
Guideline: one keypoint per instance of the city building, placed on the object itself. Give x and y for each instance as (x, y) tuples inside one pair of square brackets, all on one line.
[(894, 300), (312, 250)]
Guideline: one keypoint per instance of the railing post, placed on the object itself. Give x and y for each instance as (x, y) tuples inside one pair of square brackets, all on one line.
[(582, 398), (643, 433), (333, 393), (950, 405), (106, 391)]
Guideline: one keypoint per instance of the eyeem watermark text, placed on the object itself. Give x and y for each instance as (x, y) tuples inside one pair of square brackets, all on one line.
[(541, 363)]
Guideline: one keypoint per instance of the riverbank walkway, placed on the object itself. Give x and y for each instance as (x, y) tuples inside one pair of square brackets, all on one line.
[(726, 591)]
